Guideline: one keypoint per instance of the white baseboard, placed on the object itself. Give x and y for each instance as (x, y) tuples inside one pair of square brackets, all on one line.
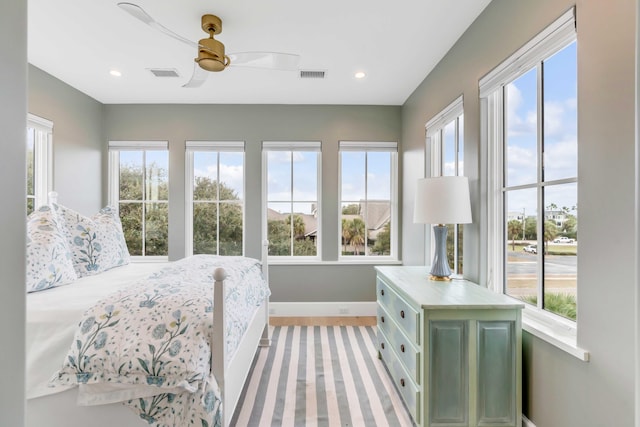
[(526, 422), (322, 309)]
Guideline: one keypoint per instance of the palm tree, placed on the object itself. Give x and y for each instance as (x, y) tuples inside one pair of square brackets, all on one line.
[(514, 227), (357, 230), (346, 234)]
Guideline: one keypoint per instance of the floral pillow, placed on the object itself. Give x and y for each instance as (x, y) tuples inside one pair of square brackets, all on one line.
[(97, 243), (48, 256)]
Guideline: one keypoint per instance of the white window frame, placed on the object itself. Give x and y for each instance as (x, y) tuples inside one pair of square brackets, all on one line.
[(307, 146), (218, 147), (434, 129), (371, 146), (115, 147), (43, 158), (548, 326)]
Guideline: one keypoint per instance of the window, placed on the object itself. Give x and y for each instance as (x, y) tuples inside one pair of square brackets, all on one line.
[(445, 141), (368, 199), (530, 107), (215, 195), (139, 187), (39, 169), (292, 188)]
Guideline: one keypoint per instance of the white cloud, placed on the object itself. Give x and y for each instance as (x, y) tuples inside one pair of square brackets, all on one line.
[(521, 165), (518, 125)]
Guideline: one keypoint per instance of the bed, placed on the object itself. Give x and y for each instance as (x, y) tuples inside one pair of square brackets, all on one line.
[(183, 365)]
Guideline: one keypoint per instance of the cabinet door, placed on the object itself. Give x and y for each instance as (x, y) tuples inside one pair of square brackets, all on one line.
[(496, 373), (448, 371)]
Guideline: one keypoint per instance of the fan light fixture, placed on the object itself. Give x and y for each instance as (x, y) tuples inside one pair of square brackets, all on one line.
[(211, 55)]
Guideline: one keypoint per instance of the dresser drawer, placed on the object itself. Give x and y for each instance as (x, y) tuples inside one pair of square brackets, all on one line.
[(402, 346), (401, 312), (408, 390)]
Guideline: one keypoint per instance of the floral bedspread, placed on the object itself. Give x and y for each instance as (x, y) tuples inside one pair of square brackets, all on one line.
[(148, 346)]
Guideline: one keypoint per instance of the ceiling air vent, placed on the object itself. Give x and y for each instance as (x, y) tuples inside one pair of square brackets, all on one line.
[(312, 74), (164, 72)]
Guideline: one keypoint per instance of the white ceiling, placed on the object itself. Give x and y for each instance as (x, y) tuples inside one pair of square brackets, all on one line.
[(396, 43)]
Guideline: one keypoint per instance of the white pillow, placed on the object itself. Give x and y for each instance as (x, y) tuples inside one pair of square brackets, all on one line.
[(97, 243), (48, 255)]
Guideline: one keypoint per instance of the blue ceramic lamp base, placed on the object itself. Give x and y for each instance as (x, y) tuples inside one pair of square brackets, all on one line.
[(440, 270)]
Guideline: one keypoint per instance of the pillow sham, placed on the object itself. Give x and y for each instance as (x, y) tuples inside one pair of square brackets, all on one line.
[(48, 256), (97, 243)]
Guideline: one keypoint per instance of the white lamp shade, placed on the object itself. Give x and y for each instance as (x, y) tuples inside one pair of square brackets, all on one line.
[(442, 200)]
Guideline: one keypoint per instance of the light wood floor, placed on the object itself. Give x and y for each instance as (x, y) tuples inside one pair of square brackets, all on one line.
[(323, 321)]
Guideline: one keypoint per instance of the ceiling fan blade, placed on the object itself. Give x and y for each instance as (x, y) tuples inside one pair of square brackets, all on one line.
[(272, 60), (198, 77), (139, 13)]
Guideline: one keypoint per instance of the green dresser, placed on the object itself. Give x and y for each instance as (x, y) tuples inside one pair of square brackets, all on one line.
[(453, 349)]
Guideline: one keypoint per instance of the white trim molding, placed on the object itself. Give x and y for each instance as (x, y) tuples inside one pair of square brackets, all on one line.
[(322, 309)]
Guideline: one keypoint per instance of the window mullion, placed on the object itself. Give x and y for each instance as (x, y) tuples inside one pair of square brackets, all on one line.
[(217, 203), (144, 204), (366, 200), (291, 228), (540, 189)]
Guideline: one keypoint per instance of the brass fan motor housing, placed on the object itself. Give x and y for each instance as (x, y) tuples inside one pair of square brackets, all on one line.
[(211, 55)]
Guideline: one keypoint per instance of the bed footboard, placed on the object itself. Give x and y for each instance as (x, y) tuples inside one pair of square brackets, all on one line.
[(231, 375)]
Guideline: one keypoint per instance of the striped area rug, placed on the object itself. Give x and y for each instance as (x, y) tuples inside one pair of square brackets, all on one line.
[(320, 376)]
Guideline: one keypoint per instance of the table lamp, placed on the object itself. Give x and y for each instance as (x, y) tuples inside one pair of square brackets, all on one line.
[(439, 201)]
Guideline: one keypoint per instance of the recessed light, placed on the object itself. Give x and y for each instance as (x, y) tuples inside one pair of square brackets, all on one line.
[(115, 73), (360, 75)]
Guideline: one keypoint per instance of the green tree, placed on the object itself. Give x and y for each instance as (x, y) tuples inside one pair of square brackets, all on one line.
[(550, 233), (357, 232), (304, 247), (280, 239), (209, 233), (530, 228), (514, 229), (133, 207), (298, 225), (383, 241), (570, 224), (346, 234), (351, 209), (279, 236), (570, 227)]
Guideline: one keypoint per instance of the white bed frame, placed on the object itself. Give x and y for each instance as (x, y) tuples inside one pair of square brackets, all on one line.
[(231, 376), (60, 409)]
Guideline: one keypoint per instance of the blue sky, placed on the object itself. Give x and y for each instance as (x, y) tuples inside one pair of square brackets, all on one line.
[(560, 133)]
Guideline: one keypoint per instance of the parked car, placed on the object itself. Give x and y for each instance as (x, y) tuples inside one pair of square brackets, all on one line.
[(563, 239), (532, 249)]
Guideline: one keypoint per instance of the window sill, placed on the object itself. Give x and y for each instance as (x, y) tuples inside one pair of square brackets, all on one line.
[(143, 259), (555, 331), (341, 262)]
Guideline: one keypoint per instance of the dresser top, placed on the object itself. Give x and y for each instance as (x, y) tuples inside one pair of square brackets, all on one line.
[(414, 284)]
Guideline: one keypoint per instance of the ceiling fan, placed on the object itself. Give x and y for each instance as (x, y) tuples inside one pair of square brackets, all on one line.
[(211, 55)]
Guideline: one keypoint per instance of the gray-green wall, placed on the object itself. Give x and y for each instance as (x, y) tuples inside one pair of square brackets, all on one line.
[(559, 390), (13, 123), (254, 124), (78, 143)]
